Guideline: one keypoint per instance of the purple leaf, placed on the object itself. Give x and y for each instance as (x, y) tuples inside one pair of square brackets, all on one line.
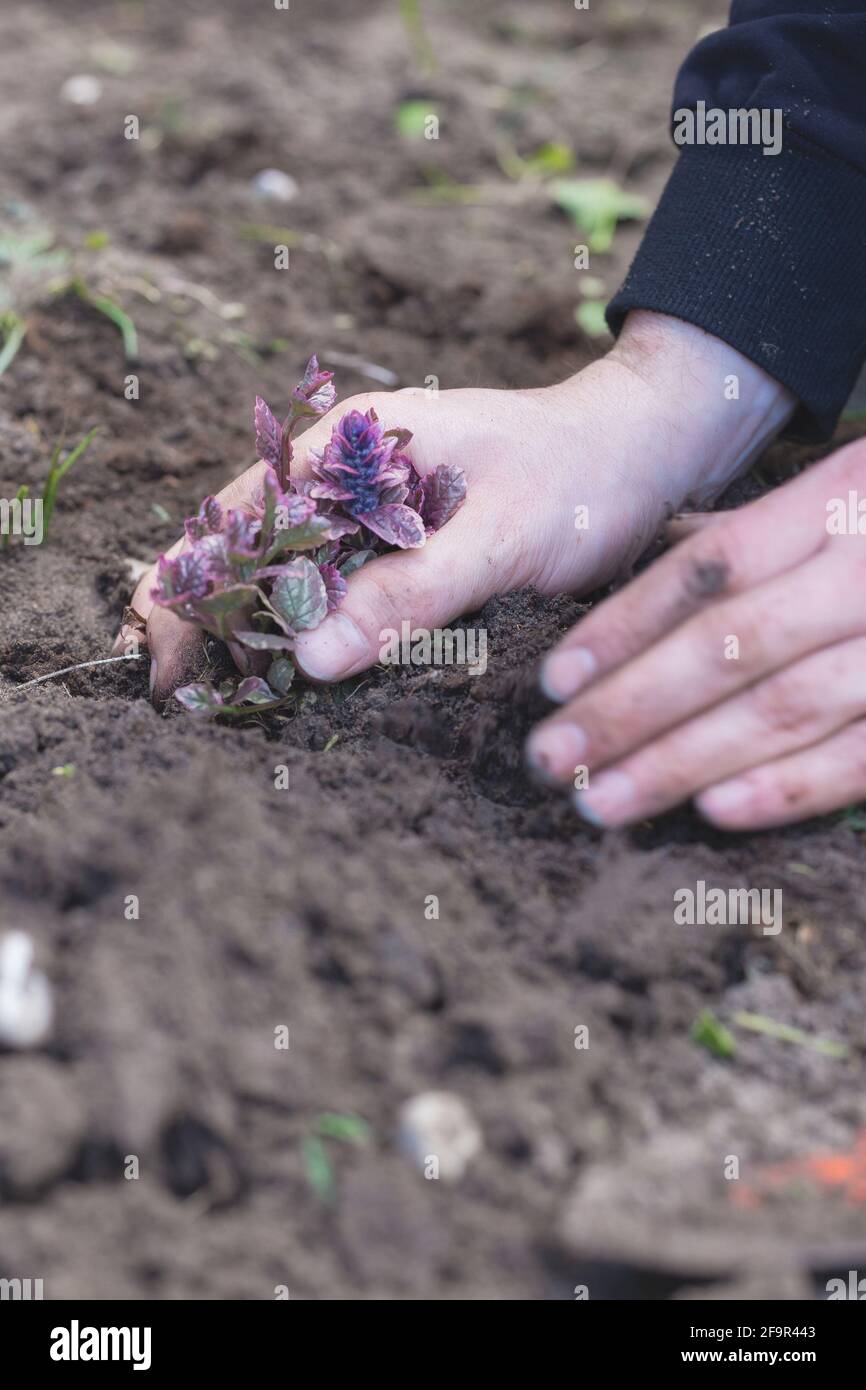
[(316, 387), (181, 580), (307, 536), (269, 435), (299, 595), (340, 526), (254, 691), (442, 492), (335, 585), (242, 535), (293, 510), (199, 698), (396, 524), (206, 522)]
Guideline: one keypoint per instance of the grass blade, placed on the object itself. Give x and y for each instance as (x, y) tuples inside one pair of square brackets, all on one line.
[(14, 330)]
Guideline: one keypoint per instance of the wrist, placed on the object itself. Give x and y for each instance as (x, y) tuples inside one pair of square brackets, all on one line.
[(709, 410)]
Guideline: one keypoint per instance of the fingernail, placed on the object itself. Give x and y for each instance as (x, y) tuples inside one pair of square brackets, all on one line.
[(555, 750), (564, 673), (153, 674), (725, 799), (609, 800), (334, 649)]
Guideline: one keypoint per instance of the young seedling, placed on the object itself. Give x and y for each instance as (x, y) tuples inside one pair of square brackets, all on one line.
[(31, 267), (257, 578), (596, 206), (57, 472), (58, 468), (112, 311), (347, 1129)]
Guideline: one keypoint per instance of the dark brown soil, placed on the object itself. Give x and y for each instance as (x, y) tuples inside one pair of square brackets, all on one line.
[(306, 907)]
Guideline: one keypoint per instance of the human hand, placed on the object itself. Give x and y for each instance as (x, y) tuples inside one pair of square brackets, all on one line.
[(628, 438), (732, 671)]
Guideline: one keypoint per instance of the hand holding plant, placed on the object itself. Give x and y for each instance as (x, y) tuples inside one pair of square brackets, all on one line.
[(256, 577), (625, 440)]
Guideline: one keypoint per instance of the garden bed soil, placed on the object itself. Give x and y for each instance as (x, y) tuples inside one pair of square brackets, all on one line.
[(304, 907)]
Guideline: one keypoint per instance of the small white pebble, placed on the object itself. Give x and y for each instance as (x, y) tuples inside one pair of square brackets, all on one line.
[(275, 185), (439, 1133), (81, 90), (26, 1007)]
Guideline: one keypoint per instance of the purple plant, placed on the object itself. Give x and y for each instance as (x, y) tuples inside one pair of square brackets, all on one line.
[(257, 577)]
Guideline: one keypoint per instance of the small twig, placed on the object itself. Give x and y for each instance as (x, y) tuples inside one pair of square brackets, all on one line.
[(81, 666)]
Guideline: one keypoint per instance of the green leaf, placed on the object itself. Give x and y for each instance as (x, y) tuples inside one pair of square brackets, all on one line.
[(550, 159), (349, 1129), (595, 206), (318, 1168), (785, 1032), (227, 600), (281, 673), (590, 315), (410, 118), (307, 536), (710, 1033), (13, 329), (299, 595), (356, 559)]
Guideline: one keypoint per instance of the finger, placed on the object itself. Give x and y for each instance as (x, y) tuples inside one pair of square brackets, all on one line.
[(824, 777), (453, 573), (719, 561), (706, 660), (775, 717), (176, 652)]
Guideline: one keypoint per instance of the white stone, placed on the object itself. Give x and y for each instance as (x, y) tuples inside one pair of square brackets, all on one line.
[(81, 90), (439, 1125), (275, 185), (26, 1007)]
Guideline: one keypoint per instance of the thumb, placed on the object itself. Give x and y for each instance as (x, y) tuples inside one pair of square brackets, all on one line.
[(452, 573)]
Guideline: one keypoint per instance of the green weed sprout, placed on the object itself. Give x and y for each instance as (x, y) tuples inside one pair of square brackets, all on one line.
[(595, 206), (57, 471), (31, 267)]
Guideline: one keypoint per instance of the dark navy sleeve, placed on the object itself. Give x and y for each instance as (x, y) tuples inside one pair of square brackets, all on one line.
[(768, 251)]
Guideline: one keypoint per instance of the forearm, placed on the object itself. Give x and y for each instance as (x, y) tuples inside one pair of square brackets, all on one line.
[(765, 251)]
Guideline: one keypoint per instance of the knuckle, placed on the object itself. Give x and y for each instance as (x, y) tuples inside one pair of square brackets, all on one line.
[(706, 567)]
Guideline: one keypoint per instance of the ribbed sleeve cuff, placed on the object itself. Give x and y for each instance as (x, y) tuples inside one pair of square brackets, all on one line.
[(767, 253)]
